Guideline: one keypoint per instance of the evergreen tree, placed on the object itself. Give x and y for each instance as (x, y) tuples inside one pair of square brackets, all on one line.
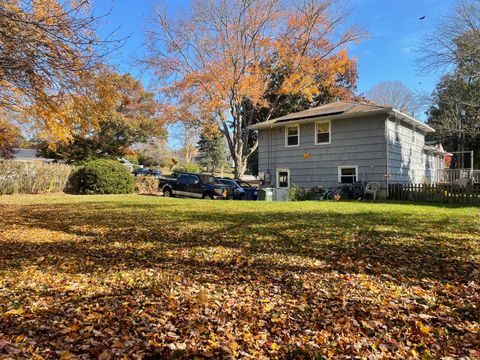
[(211, 149)]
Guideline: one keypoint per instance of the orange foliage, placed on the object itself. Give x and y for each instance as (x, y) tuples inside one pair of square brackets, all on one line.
[(222, 54), (47, 80)]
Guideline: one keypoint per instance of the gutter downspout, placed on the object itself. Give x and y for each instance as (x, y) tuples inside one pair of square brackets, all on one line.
[(387, 173)]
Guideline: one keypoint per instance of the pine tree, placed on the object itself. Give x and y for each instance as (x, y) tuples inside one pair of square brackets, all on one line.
[(211, 148)]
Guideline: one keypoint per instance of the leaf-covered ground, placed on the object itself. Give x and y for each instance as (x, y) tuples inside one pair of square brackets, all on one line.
[(146, 277)]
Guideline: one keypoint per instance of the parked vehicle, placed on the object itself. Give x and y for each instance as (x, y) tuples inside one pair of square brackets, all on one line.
[(243, 190), (196, 185), (147, 172)]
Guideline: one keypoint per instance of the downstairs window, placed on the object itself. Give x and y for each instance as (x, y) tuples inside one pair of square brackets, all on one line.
[(347, 174)]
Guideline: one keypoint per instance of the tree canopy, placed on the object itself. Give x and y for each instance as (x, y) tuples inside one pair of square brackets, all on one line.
[(222, 61), (396, 94), (48, 49), (125, 113), (455, 109)]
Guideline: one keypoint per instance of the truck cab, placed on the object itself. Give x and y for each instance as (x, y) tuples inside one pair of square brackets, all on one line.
[(196, 185)]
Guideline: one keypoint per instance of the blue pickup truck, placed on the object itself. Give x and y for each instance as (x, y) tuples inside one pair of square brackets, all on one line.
[(202, 186)]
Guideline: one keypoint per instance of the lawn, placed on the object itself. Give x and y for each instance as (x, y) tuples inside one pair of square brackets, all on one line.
[(147, 277)]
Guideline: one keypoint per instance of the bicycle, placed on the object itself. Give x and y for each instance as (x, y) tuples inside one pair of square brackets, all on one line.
[(331, 193)]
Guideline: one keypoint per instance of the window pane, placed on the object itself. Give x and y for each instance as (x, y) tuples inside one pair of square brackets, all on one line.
[(322, 127), (183, 179), (292, 140), (292, 130), (348, 171), (323, 138), (244, 184), (347, 179), (283, 179), (348, 175)]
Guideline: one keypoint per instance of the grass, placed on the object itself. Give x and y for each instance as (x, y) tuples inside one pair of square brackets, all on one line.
[(147, 277)]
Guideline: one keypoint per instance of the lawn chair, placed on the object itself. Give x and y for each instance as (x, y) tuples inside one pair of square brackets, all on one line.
[(462, 182), (372, 188)]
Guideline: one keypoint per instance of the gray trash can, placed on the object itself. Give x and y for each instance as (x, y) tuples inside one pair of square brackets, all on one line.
[(266, 194), (269, 194)]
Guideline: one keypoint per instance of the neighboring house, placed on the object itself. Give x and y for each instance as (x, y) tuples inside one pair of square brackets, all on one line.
[(28, 155), (345, 142), (126, 163)]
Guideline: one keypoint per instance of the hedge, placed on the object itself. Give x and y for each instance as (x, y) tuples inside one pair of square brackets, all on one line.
[(33, 177)]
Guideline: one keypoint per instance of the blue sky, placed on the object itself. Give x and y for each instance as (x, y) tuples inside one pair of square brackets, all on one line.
[(388, 54)]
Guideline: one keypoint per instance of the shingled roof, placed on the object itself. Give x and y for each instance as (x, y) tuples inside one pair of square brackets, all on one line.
[(340, 109)]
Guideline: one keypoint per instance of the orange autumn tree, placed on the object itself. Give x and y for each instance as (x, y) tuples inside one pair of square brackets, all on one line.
[(10, 136), (222, 61), (123, 112), (47, 50)]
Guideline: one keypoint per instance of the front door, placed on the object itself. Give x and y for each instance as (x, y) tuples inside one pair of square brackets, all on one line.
[(283, 178)]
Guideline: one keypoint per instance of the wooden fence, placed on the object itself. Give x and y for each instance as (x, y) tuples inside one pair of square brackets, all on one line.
[(440, 193)]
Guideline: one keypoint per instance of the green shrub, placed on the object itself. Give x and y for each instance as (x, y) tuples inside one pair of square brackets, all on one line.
[(187, 167), (32, 177), (146, 184), (103, 176), (296, 193)]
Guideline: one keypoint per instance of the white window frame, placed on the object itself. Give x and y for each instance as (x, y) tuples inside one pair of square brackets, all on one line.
[(278, 180), (286, 135), (347, 167), (329, 122)]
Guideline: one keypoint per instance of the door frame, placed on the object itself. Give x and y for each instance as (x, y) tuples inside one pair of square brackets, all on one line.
[(277, 178)]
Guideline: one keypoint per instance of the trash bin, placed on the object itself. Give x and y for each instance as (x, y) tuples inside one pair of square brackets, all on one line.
[(269, 194), (261, 195)]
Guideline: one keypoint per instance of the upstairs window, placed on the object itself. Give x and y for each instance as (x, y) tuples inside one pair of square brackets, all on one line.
[(347, 174), (292, 135), (322, 132)]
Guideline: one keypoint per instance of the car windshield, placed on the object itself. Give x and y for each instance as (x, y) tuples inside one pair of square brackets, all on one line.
[(227, 182), (243, 184)]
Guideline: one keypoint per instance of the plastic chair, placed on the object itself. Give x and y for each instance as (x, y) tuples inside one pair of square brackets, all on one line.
[(372, 188)]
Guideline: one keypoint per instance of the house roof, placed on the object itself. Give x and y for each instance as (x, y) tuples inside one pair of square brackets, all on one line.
[(341, 110), (27, 155), (436, 149)]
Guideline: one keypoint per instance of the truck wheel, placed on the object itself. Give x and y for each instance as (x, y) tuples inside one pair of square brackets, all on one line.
[(207, 196), (167, 192)]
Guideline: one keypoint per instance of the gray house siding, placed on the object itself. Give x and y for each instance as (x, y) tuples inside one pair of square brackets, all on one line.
[(356, 142), (406, 157)]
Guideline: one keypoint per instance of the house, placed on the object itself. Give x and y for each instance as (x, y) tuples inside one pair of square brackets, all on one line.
[(345, 142), (126, 163), (28, 155)]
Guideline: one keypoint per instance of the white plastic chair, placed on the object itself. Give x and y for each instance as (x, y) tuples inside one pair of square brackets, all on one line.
[(372, 188), (462, 182)]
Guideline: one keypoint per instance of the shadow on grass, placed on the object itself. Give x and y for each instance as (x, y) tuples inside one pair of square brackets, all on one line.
[(166, 235)]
